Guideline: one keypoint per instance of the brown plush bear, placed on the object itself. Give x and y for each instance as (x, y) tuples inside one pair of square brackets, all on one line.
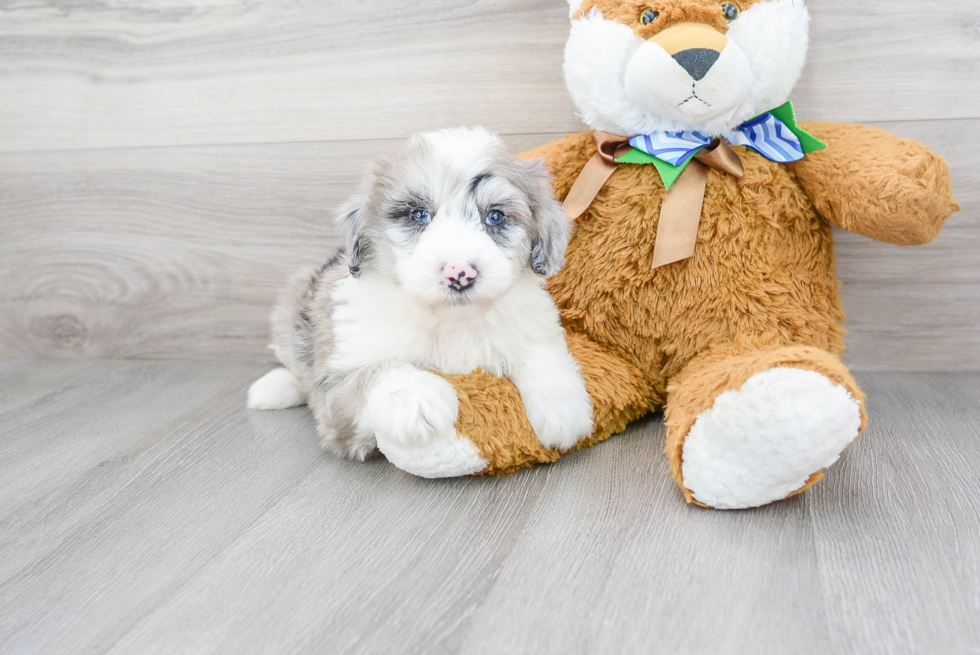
[(717, 299)]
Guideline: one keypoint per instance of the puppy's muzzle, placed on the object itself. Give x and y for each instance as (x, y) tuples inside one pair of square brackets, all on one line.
[(459, 276)]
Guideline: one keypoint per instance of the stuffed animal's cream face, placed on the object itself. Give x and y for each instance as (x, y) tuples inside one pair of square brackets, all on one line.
[(641, 66)]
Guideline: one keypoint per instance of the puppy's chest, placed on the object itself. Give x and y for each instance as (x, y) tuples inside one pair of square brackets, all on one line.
[(369, 330)]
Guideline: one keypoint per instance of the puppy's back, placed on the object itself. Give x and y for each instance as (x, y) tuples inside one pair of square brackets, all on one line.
[(301, 317)]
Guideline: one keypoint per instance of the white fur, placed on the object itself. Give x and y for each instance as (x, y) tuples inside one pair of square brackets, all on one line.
[(519, 336), (445, 455), (463, 148), (756, 72), (758, 444), (446, 240), (409, 406), (655, 81), (775, 37), (277, 389)]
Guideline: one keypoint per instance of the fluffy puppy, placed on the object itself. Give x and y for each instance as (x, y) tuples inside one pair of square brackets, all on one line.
[(448, 244)]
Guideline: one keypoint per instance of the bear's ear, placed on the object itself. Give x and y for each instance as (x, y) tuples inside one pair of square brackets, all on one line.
[(552, 228)]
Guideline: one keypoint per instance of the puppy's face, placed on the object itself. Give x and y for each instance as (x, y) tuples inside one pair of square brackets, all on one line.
[(455, 220)]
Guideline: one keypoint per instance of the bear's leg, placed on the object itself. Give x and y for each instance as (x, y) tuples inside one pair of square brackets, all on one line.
[(749, 425), (492, 434)]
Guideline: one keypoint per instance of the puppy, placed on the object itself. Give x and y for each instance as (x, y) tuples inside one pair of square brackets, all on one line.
[(448, 244)]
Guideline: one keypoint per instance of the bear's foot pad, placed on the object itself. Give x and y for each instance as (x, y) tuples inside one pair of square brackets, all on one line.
[(763, 442)]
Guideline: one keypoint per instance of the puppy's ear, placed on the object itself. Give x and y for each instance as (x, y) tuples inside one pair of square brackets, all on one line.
[(351, 223), (552, 228)]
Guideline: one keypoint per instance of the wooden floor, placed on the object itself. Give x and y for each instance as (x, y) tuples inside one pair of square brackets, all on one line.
[(144, 510)]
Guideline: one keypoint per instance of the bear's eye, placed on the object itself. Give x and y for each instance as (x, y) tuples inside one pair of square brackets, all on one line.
[(496, 218), (422, 216), (649, 16), (731, 10)]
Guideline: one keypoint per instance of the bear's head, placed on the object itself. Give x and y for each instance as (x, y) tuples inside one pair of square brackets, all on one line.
[(642, 66)]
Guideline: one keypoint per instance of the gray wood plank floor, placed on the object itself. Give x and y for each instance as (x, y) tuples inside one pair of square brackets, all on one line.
[(144, 510)]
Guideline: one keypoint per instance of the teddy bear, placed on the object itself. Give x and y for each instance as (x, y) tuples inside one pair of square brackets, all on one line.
[(700, 279)]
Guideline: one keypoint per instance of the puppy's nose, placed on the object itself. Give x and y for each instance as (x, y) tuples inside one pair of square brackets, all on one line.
[(459, 276), (697, 61)]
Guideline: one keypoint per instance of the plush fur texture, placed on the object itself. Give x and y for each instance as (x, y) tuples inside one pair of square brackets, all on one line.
[(448, 245), (709, 339), (760, 292), (624, 81), (763, 441)]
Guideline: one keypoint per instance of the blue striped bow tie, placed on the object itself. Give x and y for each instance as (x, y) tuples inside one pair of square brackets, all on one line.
[(774, 135), (765, 134)]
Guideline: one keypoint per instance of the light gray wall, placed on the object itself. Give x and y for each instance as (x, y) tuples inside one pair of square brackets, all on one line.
[(164, 164)]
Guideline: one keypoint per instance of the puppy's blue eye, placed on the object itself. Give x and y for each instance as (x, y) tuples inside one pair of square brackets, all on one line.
[(496, 218), (649, 16), (731, 10), (422, 216)]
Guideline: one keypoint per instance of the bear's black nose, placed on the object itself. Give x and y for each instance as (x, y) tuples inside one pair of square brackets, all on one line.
[(697, 61)]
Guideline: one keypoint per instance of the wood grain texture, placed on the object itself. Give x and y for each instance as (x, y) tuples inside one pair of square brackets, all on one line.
[(173, 441), (99, 74), (164, 165), (210, 528), (901, 525), (178, 252)]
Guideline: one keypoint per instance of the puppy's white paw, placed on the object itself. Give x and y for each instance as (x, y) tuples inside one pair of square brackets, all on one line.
[(560, 417), (762, 442), (447, 455), (277, 389), (410, 406)]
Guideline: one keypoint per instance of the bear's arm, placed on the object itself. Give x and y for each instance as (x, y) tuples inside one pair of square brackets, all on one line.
[(566, 158), (877, 184), (492, 416)]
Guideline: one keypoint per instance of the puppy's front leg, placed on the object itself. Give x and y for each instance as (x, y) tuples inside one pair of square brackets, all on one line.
[(413, 414), (336, 400), (394, 401), (408, 405), (554, 396)]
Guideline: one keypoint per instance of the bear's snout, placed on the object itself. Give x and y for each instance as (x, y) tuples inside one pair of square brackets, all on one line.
[(695, 46), (697, 61)]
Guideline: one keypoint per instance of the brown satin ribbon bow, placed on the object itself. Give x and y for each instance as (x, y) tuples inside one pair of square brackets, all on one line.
[(680, 215)]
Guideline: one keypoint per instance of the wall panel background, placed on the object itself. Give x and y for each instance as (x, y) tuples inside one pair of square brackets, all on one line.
[(164, 166)]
